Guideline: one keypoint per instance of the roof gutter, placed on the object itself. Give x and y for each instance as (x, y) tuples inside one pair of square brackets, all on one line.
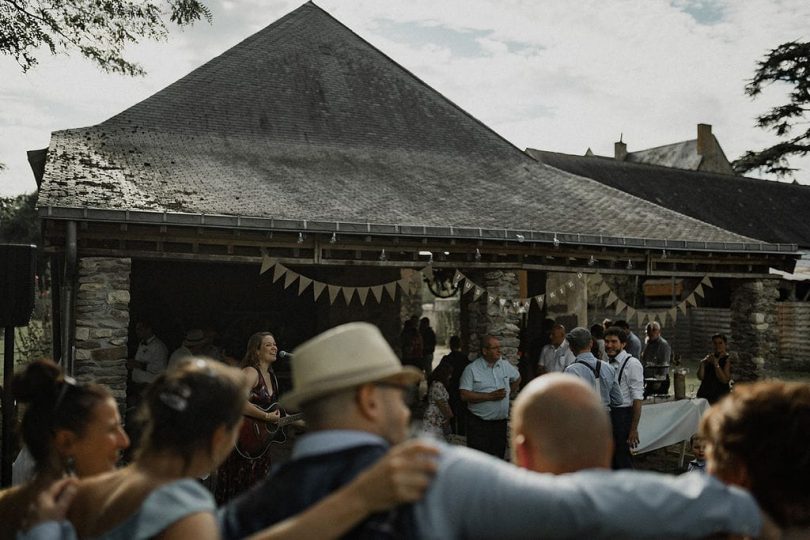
[(146, 217)]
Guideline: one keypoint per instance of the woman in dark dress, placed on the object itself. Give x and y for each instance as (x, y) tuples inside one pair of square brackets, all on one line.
[(714, 371), (244, 468)]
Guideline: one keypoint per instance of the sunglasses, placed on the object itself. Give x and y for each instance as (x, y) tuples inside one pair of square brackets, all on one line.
[(410, 392)]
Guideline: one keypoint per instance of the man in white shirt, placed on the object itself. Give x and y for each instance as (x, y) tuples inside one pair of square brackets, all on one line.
[(150, 358), (630, 377), (557, 355)]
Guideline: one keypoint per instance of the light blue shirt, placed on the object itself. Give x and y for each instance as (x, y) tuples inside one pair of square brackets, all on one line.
[(633, 346), (608, 388), (479, 377), (477, 496)]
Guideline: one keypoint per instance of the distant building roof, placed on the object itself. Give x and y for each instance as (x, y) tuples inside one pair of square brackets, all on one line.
[(701, 154), (305, 120), (768, 210)]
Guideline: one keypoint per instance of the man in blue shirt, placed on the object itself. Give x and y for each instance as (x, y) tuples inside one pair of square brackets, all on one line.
[(595, 372), (485, 386)]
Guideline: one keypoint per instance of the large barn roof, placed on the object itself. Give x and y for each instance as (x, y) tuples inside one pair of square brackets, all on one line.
[(305, 120)]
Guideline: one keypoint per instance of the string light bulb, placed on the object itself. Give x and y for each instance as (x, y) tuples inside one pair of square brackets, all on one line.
[(333, 239), (663, 254), (477, 254), (629, 264), (300, 238), (383, 256), (555, 241), (592, 261)]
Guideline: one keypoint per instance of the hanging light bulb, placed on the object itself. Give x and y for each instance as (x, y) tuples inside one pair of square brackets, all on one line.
[(333, 239), (430, 257), (592, 261), (663, 254), (300, 238), (383, 256), (629, 264), (556, 241), (477, 254)]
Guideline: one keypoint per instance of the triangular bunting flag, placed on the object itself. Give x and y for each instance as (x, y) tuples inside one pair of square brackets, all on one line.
[(278, 271), (267, 264), (630, 312), (682, 307), (620, 307), (642, 316), (478, 292), (603, 289), (579, 275), (458, 276), (699, 290), (468, 285), (561, 290), (539, 300), (362, 293), (611, 298), (348, 292), (673, 314), (289, 278), (706, 281), (391, 289), (303, 283), (491, 299), (691, 300), (595, 279), (405, 285), (662, 316), (377, 292), (502, 302), (552, 295), (317, 289), (570, 284), (333, 292)]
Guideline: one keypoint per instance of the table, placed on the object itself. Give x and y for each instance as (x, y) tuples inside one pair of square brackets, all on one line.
[(663, 424)]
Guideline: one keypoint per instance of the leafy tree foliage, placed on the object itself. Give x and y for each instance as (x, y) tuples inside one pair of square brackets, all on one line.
[(19, 223), (98, 29), (788, 63)]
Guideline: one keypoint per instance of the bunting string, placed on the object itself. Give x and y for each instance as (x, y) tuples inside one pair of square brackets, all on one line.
[(466, 285)]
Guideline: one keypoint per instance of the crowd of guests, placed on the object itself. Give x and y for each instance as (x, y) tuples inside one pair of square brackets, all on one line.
[(354, 473)]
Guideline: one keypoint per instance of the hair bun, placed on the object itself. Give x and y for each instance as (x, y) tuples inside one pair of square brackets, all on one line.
[(37, 383)]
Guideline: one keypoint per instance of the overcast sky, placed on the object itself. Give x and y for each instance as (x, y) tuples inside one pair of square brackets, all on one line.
[(551, 74)]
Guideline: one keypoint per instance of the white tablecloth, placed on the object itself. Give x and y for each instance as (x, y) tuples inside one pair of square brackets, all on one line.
[(663, 424)]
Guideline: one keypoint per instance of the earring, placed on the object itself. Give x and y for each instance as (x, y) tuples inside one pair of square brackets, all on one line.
[(70, 466)]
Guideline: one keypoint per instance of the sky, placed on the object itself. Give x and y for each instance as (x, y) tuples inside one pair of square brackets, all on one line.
[(556, 75)]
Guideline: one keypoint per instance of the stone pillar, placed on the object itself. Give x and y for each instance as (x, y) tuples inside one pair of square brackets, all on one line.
[(482, 317), (753, 326), (102, 323)]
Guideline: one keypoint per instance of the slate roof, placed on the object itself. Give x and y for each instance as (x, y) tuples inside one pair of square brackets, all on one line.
[(767, 210), (306, 120), (680, 155)]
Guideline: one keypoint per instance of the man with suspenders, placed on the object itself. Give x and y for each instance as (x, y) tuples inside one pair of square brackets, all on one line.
[(586, 366), (630, 378)]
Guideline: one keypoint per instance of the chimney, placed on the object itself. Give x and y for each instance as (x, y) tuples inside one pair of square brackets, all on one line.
[(619, 149), (705, 142)]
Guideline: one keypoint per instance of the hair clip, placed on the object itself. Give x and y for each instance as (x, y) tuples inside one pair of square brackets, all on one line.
[(176, 398), (67, 382)]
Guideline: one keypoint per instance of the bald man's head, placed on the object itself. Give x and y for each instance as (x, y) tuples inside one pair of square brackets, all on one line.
[(559, 425)]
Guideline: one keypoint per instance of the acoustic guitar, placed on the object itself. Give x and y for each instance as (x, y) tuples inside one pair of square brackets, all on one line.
[(256, 435)]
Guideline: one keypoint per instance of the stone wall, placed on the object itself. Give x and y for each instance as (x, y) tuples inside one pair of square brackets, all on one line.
[(753, 325), (102, 323), (481, 317)]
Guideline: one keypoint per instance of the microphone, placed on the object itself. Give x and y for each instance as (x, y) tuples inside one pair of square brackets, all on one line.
[(284, 355)]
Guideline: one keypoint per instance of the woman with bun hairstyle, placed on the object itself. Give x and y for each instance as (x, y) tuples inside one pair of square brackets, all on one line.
[(67, 427)]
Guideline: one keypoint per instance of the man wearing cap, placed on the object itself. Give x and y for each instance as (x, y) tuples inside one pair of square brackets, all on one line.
[(351, 386), (485, 386), (595, 372)]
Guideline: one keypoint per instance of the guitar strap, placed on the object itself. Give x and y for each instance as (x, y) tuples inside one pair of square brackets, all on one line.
[(273, 383)]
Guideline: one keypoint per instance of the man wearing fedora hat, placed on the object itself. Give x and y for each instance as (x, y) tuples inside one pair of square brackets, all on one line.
[(194, 344), (352, 389)]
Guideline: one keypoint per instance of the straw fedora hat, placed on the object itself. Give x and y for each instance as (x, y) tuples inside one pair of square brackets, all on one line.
[(341, 358)]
